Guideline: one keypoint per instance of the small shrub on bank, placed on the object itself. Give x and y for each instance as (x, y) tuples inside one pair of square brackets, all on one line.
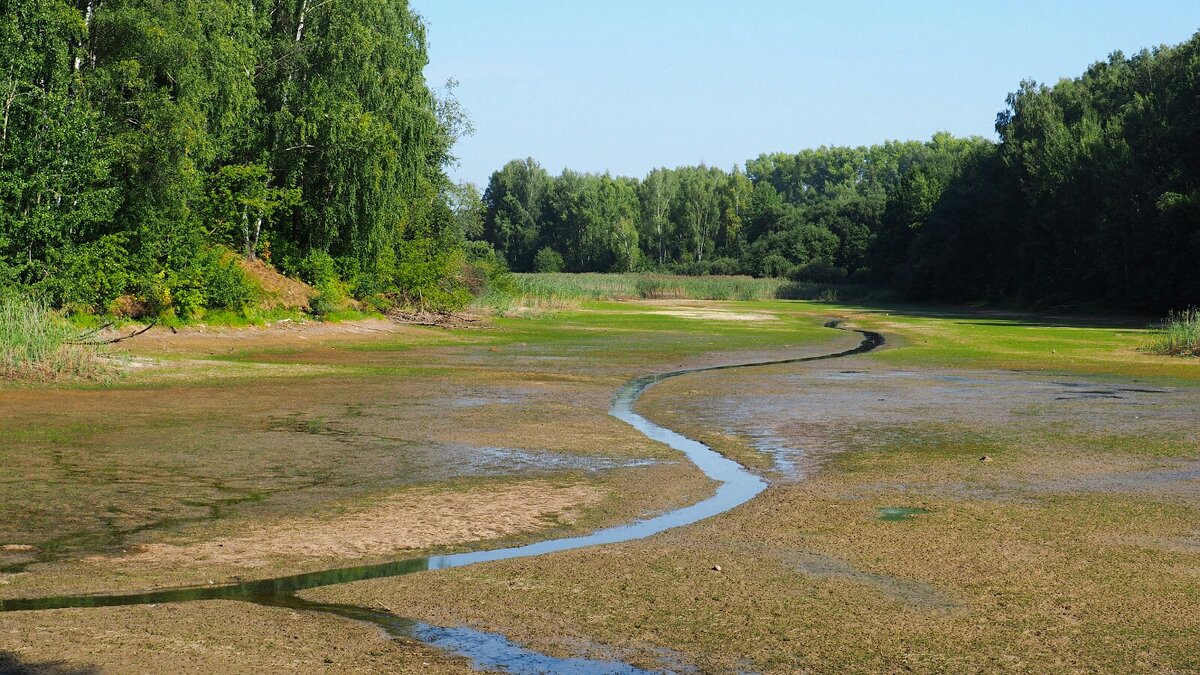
[(1179, 335)]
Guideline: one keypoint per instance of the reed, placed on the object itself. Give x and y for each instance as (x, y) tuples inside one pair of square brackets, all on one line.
[(36, 344), (1179, 334)]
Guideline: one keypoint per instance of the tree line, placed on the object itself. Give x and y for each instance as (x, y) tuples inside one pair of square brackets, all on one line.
[(143, 142), (1090, 196)]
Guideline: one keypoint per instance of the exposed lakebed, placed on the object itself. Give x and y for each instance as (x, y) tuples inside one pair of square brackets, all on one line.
[(737, 486)]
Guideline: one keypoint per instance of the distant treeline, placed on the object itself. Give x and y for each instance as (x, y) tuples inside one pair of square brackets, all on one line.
[(1091, 196), (143, 142)]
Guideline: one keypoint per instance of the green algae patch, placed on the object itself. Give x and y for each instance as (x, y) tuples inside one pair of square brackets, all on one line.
[(899, 514)]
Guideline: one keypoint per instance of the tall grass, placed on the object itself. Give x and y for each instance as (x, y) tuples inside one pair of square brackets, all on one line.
[(552, 291), (1179, 335), (579, 287), (37, 344)]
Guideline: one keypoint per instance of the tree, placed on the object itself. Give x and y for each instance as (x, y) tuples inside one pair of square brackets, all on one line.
[(698, 211), (516, 200), (657, 193), (240, 198)]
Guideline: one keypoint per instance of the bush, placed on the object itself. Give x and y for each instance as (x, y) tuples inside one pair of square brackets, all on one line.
[(319, 270), (36, 344), (316, 269), (485, 273), (774, 265), (820, 271), (211, 279), (88, 277), (1179, 335), (429, 274), (226, 285), (548, 260)]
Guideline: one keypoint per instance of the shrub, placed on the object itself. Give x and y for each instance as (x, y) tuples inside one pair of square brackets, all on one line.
[(319, 270), (88, 277), (226, 285), (429, 274), (316, 269), (548, 260), (211, 279), (820, 271)]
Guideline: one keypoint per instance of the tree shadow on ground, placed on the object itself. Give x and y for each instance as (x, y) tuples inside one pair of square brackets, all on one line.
[(987, 316), (12, 664)]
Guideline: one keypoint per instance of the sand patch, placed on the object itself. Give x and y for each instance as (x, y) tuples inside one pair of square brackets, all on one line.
[(406, 522), (715, 315)]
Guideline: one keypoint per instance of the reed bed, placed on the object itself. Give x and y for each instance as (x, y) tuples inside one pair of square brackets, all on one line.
[(1179, 334), (36, 344)]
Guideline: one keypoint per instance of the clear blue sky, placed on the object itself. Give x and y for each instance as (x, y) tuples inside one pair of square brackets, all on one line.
[(629, 85)]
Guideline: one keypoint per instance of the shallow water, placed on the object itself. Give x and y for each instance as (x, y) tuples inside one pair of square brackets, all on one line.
[(485, 650)]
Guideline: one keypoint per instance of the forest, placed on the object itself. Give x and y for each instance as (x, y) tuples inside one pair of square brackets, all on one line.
[(1090, 197), (147, 146)]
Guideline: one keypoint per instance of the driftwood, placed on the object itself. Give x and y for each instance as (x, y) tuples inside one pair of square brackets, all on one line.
[(435, 319), (82, 339)]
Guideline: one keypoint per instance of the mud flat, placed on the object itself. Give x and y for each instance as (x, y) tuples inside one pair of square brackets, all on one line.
[(1046, 473)]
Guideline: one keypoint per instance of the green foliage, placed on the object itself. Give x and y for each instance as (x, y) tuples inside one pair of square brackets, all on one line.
[(319, 270), (225, 284), (548, 260), (1179, 335), (141, 137), (240, 199), (429, 274), (516, 202), (88, 276), (1091, 196)]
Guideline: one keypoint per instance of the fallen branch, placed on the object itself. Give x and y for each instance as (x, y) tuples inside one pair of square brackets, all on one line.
[(133, 335), (435, 319), (81, 338), (95, 343)]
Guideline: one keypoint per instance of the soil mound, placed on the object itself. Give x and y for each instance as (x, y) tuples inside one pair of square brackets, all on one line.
[(279, 291)]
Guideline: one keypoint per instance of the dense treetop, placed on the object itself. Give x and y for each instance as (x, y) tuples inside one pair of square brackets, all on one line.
[(143, 140), (145, 145), (1091, 196)]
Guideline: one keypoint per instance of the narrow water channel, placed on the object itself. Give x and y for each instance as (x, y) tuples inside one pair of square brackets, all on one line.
[(485, 650)]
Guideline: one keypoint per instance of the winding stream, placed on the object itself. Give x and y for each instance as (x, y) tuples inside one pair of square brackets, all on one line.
[(487, 650)]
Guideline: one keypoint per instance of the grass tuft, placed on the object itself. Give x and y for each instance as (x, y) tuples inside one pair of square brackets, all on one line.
[(1179, 335), (36, 344)]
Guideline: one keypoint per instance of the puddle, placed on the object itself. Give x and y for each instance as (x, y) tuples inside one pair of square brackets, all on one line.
[(737, 486), (910, 592), (489, 651), (844, 375), (1090, 391), (895, 514), (484, 461)]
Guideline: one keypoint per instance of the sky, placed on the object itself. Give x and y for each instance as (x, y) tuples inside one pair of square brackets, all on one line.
[(626, 86)]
